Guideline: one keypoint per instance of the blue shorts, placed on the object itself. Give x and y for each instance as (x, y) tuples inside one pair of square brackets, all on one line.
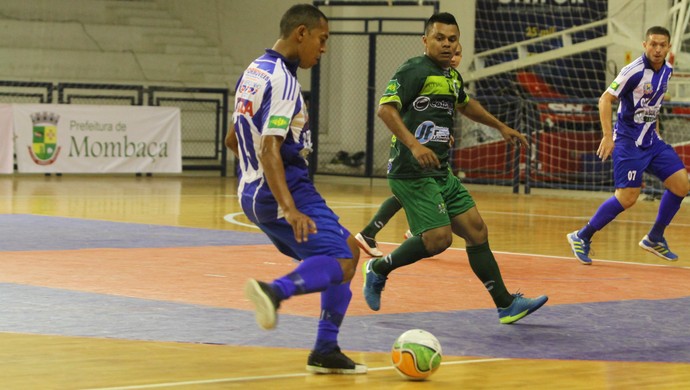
[(330, 239), (630, 161)]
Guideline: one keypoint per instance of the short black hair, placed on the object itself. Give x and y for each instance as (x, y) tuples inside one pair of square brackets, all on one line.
[(443, 17), (657, 30), (300, 14)]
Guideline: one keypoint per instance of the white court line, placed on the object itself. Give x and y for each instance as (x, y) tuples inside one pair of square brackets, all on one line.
[(231, 218), (269, 377), (670, 264), (354, 205)]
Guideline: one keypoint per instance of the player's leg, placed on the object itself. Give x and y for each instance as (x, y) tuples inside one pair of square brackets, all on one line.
[(470, 226), (330, 261), (319, 269), (466, 222), (326, 357), (425, 210), (671, 170), (366, 239), (629, 162)]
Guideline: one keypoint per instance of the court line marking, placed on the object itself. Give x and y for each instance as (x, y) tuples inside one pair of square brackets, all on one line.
[(352, 205), (270, 377), (231, 218), (670, 265)]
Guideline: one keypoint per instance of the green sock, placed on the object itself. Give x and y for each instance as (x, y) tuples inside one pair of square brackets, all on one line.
[(387, 210), (485, 267), (410, 251)]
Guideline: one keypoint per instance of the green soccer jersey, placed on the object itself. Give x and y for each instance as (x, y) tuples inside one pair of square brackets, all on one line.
[(426, 96)]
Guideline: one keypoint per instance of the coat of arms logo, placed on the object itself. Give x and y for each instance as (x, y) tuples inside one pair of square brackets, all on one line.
[(44, 149)]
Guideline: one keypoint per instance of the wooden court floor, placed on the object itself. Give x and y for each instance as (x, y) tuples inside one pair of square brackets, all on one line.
[(527, 233)]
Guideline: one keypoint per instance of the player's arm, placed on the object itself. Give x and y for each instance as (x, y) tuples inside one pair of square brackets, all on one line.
[(272, 162), (231, 141), (390, 116), (476, 112), (606, 145)]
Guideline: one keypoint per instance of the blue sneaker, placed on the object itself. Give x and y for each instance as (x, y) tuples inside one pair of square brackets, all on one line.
[(521, 307), (658, 248), (373, 285), (580, 247)]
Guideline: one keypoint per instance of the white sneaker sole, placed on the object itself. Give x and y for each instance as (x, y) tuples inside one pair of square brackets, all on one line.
[(359, 369), (373, 252), (265, 311), (651, 250)]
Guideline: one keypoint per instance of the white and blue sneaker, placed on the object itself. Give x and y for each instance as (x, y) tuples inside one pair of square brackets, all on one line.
[(658, 248), (580, 247)]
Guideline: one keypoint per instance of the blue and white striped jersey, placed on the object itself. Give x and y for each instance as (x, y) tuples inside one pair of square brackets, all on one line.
[(641, 91), (268, 101)]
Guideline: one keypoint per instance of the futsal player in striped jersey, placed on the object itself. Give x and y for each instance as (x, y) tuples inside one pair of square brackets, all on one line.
[(636, 146), (272, 141)]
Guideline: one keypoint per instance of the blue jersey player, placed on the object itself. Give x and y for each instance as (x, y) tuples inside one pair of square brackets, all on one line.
[(272, 140), (636, 147)]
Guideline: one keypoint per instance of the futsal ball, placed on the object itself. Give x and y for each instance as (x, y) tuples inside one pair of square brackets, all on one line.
[(416, 354)]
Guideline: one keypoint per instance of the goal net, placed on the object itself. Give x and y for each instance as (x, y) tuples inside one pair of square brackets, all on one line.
[(555, 60)]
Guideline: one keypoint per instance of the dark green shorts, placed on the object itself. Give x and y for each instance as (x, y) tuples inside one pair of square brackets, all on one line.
[(431, 202)]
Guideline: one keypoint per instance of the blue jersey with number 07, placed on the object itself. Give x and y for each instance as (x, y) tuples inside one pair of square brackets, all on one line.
[(269, 102), (640, 90)]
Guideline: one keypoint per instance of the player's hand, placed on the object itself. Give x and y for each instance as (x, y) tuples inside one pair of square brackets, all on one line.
[(513, 136), (605, 148), (301, 224), (425, 156)]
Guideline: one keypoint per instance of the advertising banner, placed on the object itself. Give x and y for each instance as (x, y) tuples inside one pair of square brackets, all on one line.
[(67, 138), (6, 139)]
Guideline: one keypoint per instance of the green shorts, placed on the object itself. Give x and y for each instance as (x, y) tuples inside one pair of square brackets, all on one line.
[(431, 202)]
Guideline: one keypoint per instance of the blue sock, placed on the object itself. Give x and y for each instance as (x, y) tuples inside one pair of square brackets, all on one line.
[(607, 212), (334, 303), (313, 274), (670, 204)]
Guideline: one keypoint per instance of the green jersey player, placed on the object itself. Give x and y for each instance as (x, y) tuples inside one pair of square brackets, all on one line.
[(418, 107)]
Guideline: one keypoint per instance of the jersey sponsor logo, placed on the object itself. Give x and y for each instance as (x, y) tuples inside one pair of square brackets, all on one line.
[(427, 131), (646, 114), (244, 106), (278, 122), (614, 85), (392, 88), (256, 72), (247, 89), (443, 105), (424, 102), (647, 87), (307, 143), (421, 103)]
